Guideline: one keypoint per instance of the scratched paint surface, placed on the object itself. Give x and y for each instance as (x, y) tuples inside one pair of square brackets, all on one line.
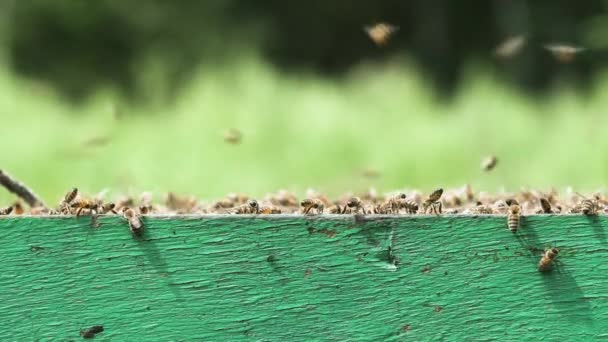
[(303, 279)]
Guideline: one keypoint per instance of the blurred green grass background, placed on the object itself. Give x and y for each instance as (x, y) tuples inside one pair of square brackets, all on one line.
[(302, 131)]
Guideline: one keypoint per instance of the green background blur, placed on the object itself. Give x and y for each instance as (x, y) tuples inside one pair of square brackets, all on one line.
[(134, 96)]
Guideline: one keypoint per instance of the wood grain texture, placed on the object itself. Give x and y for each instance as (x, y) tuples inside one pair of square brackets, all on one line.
[(289, 278)]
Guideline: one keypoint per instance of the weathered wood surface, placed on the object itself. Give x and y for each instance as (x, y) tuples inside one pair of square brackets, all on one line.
[(303, 279)]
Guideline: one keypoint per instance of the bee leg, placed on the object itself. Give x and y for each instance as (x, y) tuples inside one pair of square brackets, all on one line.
[(306, 210), (363, 209), (79, 211), (114, 212)]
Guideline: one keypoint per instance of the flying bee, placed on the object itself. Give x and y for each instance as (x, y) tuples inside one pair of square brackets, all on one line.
[(381, 33), (354, 206), (135, 225), (309, 204), (270, 210), (432, 203), (6, 211), (513, 216), (251, 207), (489, 163), (510, 46), (233, 136), (564, 53), (547, 259)]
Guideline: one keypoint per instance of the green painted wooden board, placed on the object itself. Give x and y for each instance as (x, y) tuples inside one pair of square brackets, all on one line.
[(293, 278)]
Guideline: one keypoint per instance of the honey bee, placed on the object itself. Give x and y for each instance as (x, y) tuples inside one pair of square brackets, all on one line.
[(251, 207), (510, 47), (146, 203), (126, 201), (381, 33), (82, 204), (545, 206), (6, 211), (270, 210), (564, 53), (489, 163), (135, 225), (108, 207), (392, 205), (180, 204), (432, 203), (547, 259), (70, 196), (283, 198), (586, 206), (482, 209), (91, 332), (354, 206), (44, 211), (233, 136), (513, 216), (335, 209), (309, 204), (18, 208)]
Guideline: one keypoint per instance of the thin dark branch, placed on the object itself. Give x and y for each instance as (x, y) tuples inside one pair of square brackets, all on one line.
[(20, 190)]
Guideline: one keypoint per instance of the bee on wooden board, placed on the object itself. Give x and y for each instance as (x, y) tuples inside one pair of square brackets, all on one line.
[(6, 211), (381, 33), (489, 163), (546, 262), (310, 206), (392, 205), (354, 206), (251, 207), (513, 215), (91, 332), (270, 210), (545, 206), (586, 206), (482, 209), (82, 204), (108, 208), (432, 203), (135, 225), (179, 203), (18, 208), (335, 209), (564, 53), (283, 198), (68, 198)]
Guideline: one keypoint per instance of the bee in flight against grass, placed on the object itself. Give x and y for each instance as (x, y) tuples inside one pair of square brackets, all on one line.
[(510, 47), (489, 163), (233, 136), (381, 33)]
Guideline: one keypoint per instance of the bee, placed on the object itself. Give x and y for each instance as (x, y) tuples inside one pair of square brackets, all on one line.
[(82, 204), (354, 206), (44, 211), (489, 163), (146, 203), (564, 53), (283, 198), (309, 204), (482, 209), (270, 210), (513, 216), (108, 208), (180, 204), (589, 206), (6, 211), (381, 33), (135, 225), (392, 205), (233, 136), (251, 207), (547, 259), (70, 196), (545, 206), (510, 46), (432, 204), (126, 201), (335, 209), (18, 208)]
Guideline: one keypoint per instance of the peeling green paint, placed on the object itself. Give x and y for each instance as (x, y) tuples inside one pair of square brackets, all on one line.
[(287, 278)]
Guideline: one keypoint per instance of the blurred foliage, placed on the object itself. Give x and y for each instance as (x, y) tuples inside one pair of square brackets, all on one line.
[(80, 46)]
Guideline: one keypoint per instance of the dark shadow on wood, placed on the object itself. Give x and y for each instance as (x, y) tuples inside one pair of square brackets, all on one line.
[(598, 228), (566, 295), (152, 254)]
